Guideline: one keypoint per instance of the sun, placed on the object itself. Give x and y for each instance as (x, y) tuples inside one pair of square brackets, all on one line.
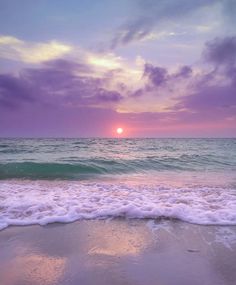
[(119, 131)]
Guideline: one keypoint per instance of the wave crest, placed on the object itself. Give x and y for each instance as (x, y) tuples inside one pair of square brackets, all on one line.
[(43, 202)]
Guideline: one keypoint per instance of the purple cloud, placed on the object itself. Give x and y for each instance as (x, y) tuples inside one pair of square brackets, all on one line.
[(14, 91), (184, 71), (222, 54), (214, 91), (221, 51), (108, 96), (67, 65), (157, 75), (209, 98), (64, 101), (55, 83)]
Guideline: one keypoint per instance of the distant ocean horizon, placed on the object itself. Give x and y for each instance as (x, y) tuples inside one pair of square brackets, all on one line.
[(45, 180)]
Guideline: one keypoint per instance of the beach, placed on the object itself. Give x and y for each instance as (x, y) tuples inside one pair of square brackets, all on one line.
[(118, 142), (107, 211), (119, 251)]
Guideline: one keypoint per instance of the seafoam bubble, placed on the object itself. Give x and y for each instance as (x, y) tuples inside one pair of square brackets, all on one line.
[(43, 202)]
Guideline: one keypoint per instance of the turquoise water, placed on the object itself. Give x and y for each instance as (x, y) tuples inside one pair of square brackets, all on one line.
[(87, 158), (63, 180)]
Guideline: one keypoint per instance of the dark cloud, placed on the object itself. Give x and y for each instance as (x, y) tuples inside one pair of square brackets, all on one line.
[(14, 91), (138, 93), (55, 83), (55, 100), (157, 75), (221, 51), (67, 65), (209, 93), (108, 96), (214, 91), (63, 101), (184, 71)]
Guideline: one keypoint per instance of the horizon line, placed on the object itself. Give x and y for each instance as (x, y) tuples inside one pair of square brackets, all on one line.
[(61, 137)]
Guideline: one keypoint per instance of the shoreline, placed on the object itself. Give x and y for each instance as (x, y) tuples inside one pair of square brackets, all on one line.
[(118, 251), (43, 202)]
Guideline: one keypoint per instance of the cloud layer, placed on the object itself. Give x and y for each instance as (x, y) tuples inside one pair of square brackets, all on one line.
[(15, 49), (154, 17), (82, 98)]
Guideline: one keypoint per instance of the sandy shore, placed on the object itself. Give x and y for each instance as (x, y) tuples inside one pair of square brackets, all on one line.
[(120, 251)]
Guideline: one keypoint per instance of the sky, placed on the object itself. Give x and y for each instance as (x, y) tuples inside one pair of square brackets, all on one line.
[(83, 68)]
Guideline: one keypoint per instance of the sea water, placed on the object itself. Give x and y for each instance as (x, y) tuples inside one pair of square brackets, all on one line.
[(63, 180)]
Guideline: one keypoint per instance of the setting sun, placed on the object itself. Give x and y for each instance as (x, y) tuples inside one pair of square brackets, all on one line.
[(119, 131)]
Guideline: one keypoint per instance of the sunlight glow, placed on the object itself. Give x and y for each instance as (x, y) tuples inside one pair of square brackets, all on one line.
[(119, 131), (109, 61)]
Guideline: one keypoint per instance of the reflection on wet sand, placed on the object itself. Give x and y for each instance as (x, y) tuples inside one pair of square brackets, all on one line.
[(118, 252), (33, 269), (118, 241)]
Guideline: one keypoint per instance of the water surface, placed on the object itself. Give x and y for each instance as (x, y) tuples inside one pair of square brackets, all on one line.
[(48, 180)]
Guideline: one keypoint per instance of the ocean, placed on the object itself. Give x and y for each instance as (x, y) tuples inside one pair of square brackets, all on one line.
[(63, 180)]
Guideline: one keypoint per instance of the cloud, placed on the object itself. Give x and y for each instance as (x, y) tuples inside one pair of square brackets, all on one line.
[(14, 91), (193, 94), (9, 40), (159, 76), (107, 61), (184, 71), (63, 92), (134, 30), (221, 51), (152, 13), (103, 95), (209, 99), (28, 52), (214, 91), (68, 65), (56, 83)]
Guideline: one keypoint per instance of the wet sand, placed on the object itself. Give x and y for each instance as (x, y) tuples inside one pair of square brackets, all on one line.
[(123, 252)]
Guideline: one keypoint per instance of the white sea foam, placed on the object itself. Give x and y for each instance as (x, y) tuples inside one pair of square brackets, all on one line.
[(43, 202)]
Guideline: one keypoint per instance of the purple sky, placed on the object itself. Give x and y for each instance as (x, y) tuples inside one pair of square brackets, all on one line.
[(83, 68)]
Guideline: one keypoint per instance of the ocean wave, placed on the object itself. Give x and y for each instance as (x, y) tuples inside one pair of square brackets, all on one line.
[(86, 158), (71, 167), (43, 202), (32, 170)]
